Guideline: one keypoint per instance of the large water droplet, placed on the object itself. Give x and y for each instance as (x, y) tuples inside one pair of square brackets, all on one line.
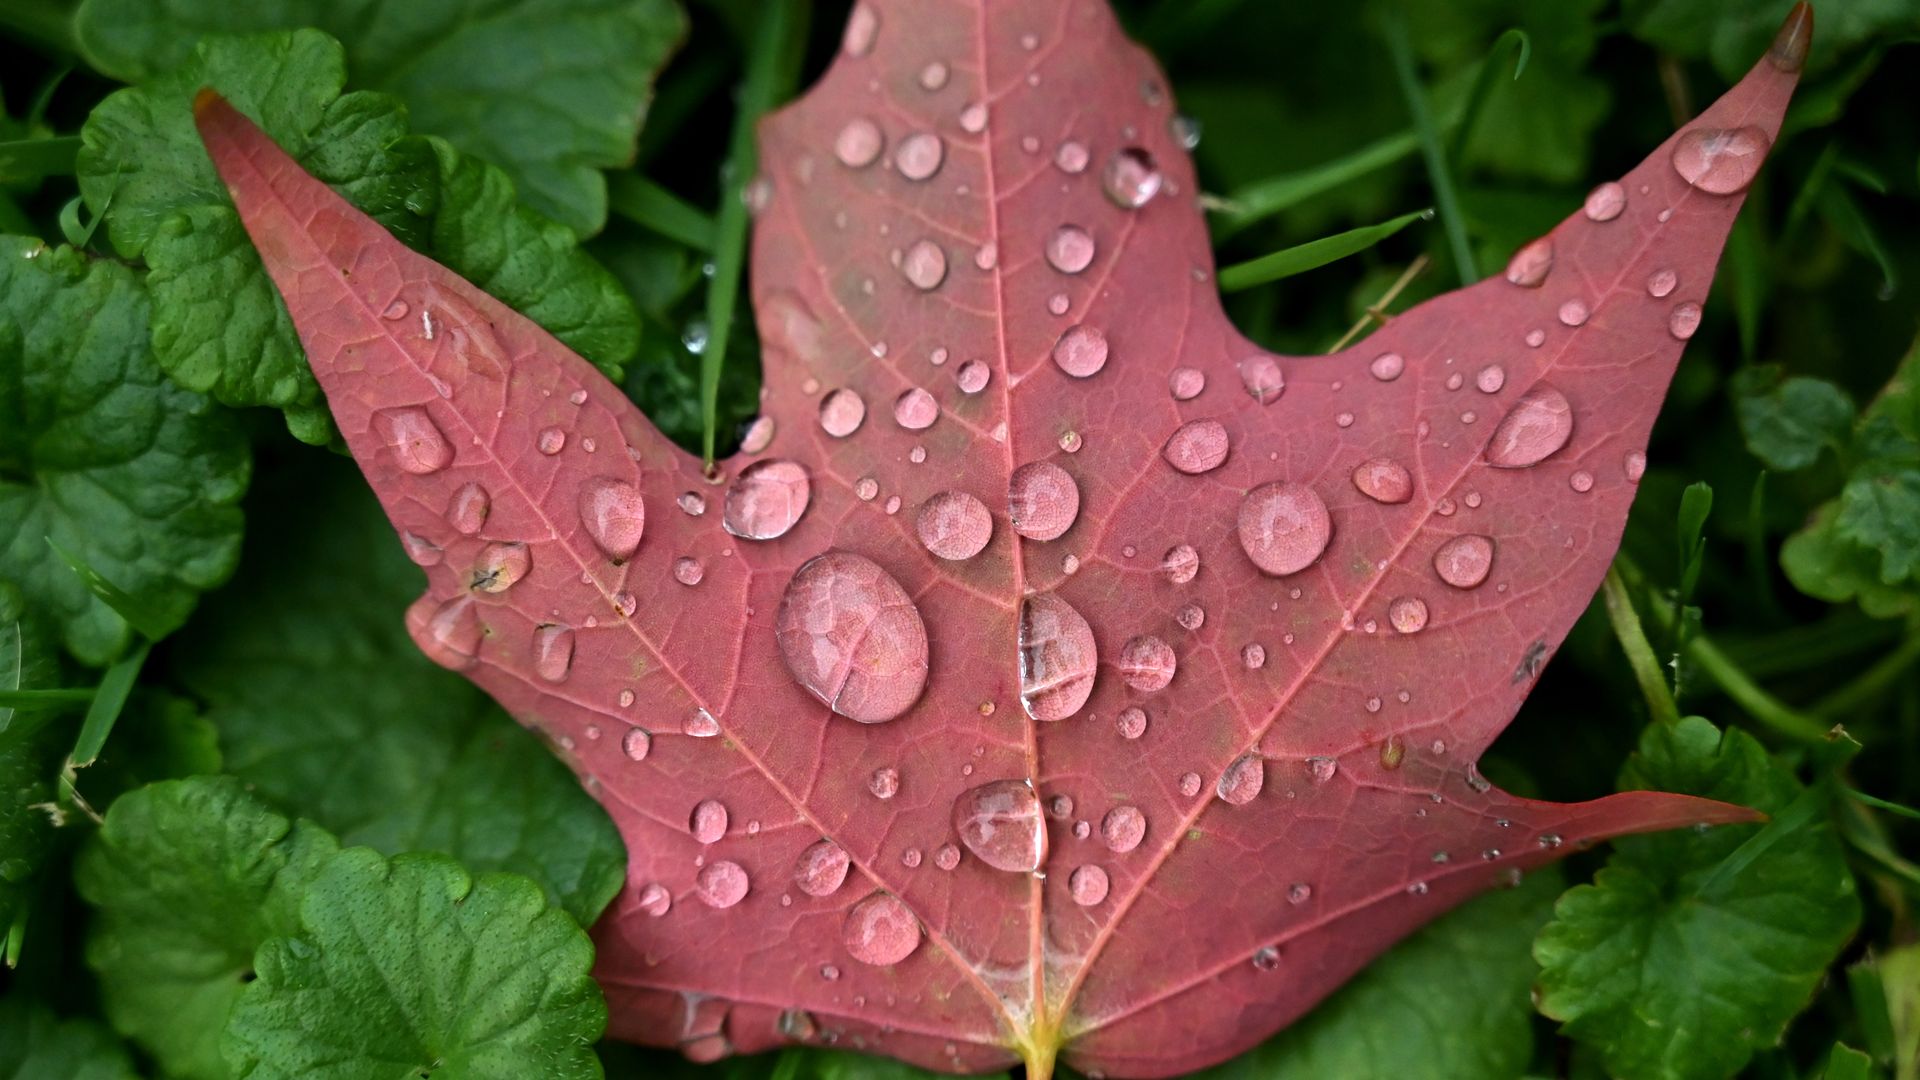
[(1081, 351), (1042, 500), (1284, 527), (915, 410), (1070, 249), (1604, 203), (1001, 823), (954, 525), (1387, 366), (1537, 426), (858, 144), (766, 499), (1057, 657), (1530, 265), (553, 652), (759, 435), (841, 413), (919, 155), (1260, 374), (551, 441), (972, 376), (1088, 885), (1240, 784), (925, 265), (1123, 828), (821, 868), (468, 510), (862, 26), (1130, 178), (852, 637), (1490, 379), (451, 634), (614, 515), (1197, 446), (708, 823), (499, 567), (1684, 320), (417, 443), (881, 930), (1147, 663), (1720, 161), (721, 884), (1464, 561)]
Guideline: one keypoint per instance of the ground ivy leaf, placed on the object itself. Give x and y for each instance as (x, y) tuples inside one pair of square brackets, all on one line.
[(100, 453), (1878, 508), (190, 877), (1787, 421), (218, 324), (36, 1043), (397, 753), (408, 966), (1389, 1021), (1828, 566), (29, 756), (460, 68), (1665, 980)]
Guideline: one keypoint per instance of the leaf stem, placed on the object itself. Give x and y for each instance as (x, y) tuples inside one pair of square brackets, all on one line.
[(1639, 651), (1394, 29), (1869, 683), (772, 68), (1377, 311)]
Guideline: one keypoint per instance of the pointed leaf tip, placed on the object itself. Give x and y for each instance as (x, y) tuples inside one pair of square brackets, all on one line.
[(206, 98), (1790, 45)]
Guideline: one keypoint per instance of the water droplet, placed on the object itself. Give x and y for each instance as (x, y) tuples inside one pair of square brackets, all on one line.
[(1071, 157), (1684, 320), (1000, 822), (1081, 351), (655, 900), (1180, 564), (1197, 446), (1185, 130), (1581, 481), (947, 857), (1058, 657), (852, 637), (1537, 426), (396, 310), (1392, 752), (972, 376), (1530, 265), (1661, 282), (1574, 313), (866, 488), (1490, 379), (1042, 500), (1464, 561), (708, 822), (1253, 656), (451, 634), (766, 500), (691, 503), (688, 570), (954, 525), (417, 443), (421, 550), (1284, 527), (1132, 722), (1088, 885), (858, 144), (1720, 161), (635, 744), (1604, 203), (925, 265), (1147, 663), (933, 76), (881, 930), (1387, 366), (1260, 374), (1322, 769), (920, 155), (1266, 958), (1536, 338), (1240, 784), (499, 567), (841, 413), (552, 440), (1123, 828), (1190, 784), (1070, 441), (614, 515), (1636, 466), (862, 26), (1130, 178), (1383, 480), (1058, 303), (1186, 383), (1070, 249), (1408, 614), (1191, 616), (916, 410), (973, 119), (821, 869), (721, 884), (552, 652), (469, 509), (884, 783)]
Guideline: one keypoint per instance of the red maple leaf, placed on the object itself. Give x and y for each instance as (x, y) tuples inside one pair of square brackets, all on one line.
[(1055, 672)]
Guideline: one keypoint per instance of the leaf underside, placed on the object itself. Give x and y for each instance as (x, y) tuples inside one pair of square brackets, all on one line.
[(1228, 920)]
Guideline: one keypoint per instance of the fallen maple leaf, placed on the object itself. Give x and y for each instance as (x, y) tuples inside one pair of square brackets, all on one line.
[(1160, 664)]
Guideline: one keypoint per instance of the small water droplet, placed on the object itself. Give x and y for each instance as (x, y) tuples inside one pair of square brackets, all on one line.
[(1383, 480), (1581, 481), (552, 440), (862, 26), (1604, 203), (1636, 466), (1180, 564), (972, 376), (636, 743), (933, 76), (1058, 657), (1299, 893), (1574, 313), (924, 265), (1530, 265), (1070, 441), (841, 413), (920, 155), (1684, 320), (947, 857), (1392, 752), (1242, 781), (396, 310), (1070, 249), (1537, 426), (1131, 722), (1322, 769), (973, 119), (1408, 614), (766, 500), (1088, 885), (1266, 958), (1284, 527), (1490, 379), (1260, 374), (858, 144), (1197, 446), (1147, 663), (1071, 157), (708, 823), (417, 443), (1190, 784), (552, 652), (1536, 338), (614, 515), (688, 570), (1661, 282), (1464, 561), (1387, 366), (499, 567), (1081, 351), (916, 410), (881, 930), (954, 525), (1042, 500), (469, 509), (655, 900), (721, 884), (1720, 161), (1130, 179), (1058, 303)]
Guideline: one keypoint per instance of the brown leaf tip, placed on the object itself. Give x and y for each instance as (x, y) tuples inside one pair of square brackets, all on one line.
[(205, 99), (1789, 51)]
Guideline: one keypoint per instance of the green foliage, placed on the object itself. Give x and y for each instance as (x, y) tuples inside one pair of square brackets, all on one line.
[(102, 455), (411, 966), (1732, 32), (1788, 421), (36, 1043), (1689, 952), (28, 749), (219, 326)]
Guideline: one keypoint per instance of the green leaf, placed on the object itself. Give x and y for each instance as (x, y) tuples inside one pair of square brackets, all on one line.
[(1732, 32), (1665, 980), (396, 752), (409, 967), (161, 737), (28, 758), (1878, 508), (151, 621), (1389, 1021), (1788, 421), (1886, 990), (1829, 566), (36, 1043), (1313, 254), (1846, 1063), (190, 877), (219, 325), (102, 455), (104, 710), (550, 90)]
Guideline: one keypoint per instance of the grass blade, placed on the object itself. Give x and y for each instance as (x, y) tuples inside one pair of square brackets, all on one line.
[(1483, 85), (651, 206), (108, 701), (1265, 198), (31, 159), (1394, 29), (1313, 254)]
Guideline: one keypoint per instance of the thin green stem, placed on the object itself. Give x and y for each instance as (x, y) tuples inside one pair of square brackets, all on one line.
[(1870, 683), (1483, 86), (1394, 29), (650, 206), (46, 23), (1640, 655), (1264, 198), (772, 69), (1313, 254)]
